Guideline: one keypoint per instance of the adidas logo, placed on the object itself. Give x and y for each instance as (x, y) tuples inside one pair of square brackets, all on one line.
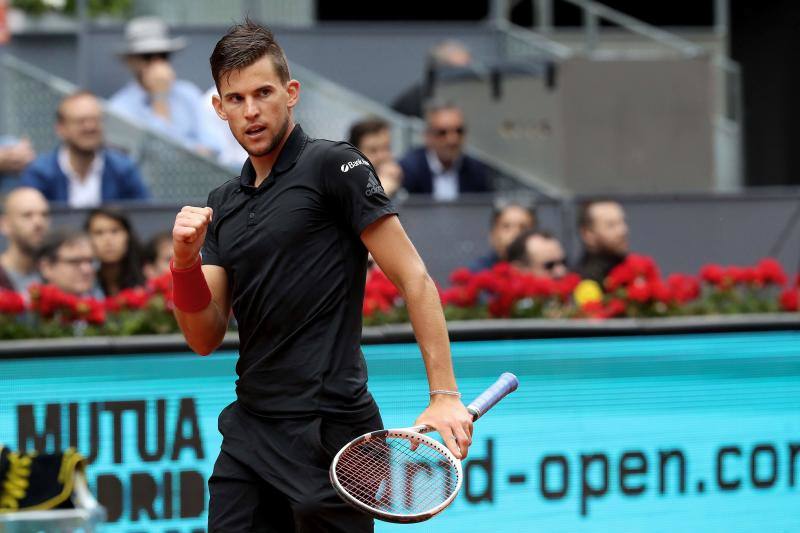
[(373, 185), (352, 164)]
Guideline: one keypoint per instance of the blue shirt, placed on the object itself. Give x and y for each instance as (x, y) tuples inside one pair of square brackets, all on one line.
[(187, 123)]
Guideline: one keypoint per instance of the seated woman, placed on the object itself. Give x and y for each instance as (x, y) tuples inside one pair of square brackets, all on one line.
[(116, 248)]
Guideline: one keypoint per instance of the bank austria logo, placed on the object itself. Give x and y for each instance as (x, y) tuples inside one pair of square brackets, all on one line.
[(352, 164)]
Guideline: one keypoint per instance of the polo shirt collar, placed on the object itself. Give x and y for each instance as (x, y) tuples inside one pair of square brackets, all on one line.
[(289, 155)]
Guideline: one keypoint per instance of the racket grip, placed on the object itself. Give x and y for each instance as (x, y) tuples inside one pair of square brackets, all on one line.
[(505, 385)]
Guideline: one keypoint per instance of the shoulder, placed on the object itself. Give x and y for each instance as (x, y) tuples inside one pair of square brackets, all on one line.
[(118, 160), (187, 88), (222, 193), (45, 164), (125, 93), (414, 157)]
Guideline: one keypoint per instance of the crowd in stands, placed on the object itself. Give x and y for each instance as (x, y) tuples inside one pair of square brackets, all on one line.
[(105, 257)]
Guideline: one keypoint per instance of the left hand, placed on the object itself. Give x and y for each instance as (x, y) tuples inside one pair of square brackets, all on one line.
[(448, 416)]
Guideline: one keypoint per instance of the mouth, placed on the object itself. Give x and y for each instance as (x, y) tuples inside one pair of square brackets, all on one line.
[(255, 130)]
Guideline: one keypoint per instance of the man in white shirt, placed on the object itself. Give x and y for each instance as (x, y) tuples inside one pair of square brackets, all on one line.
[(81, 171)]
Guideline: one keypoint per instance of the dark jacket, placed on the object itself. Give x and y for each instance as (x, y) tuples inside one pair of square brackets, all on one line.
[(120, 181), (473, 176), (597, 266)]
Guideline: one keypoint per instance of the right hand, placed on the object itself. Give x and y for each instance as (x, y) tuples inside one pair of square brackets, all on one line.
[(158, 77), (189, 234), (16, 157)]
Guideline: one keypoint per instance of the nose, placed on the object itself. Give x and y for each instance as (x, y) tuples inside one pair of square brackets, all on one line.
[(250, 109)]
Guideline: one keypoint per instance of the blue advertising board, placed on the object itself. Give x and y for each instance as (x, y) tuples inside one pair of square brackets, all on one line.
[(671, 433)]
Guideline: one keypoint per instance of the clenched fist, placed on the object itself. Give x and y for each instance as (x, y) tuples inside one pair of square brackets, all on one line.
[(189, 233)]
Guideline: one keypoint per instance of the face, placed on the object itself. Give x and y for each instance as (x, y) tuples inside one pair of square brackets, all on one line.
[(109, 239), (608, 232), (27, 219), (512, 221), (73, 269), (160, 266), (138, 63), (546, 257), (445, 134), (377, 147), (81, 127), (257, 106)]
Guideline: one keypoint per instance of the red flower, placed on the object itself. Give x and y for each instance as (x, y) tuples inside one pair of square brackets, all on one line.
[(683, 288), (11, 302), (771, 271), (639, 292), (789, 300), (620, 276), (461, 276), (712, 274)]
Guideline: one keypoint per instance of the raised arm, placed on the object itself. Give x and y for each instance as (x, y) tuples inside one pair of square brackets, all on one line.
[(202, 299), (396, 256)]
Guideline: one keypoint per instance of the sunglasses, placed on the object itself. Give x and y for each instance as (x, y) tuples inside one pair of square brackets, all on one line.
[(442, 132), (550, 265), (153, 56)]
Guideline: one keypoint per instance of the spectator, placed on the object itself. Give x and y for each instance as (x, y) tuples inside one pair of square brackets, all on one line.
[(373, 138), (508, 220), (538, 253), (81, 171), (155, 98), (15, 155), (452, 55), (24, 222), (116, 248), (440, 167), (604, 234), (156, 255), (66, 261)]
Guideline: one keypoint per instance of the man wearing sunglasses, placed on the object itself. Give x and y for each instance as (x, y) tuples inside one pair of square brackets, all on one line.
[(538, 253), (441, 168), (155, 98)]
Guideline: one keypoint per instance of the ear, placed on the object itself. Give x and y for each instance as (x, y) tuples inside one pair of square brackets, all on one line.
[(59, 128), (149, 271), (293, 88), (588, 238), (46, 268), (216, 101)]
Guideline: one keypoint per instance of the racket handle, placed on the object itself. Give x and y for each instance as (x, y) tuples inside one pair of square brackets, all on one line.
[(505, 385)]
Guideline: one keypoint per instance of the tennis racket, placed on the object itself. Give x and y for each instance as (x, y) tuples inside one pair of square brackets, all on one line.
[(402, 475)]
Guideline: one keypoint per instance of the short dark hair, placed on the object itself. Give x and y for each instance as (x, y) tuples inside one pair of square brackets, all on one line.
[(367, 126), (150, 249), (502, 204), (243, 45), (54, 240), (585, 220), (517, 250)]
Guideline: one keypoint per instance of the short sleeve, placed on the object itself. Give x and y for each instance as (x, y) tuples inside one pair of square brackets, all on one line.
[(210, 251), (354, 189)]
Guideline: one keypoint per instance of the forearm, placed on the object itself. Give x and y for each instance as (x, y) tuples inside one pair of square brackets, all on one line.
[(430, 329), (203, 330)]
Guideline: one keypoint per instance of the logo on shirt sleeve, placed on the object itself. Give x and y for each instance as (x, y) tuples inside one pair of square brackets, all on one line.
[(373, 185), (352, 164)]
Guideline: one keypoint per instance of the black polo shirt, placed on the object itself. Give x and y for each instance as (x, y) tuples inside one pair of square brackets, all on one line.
[(296, 270)]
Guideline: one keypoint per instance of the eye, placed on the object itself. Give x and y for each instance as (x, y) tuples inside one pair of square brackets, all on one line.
[(235, 98), (266, 91)]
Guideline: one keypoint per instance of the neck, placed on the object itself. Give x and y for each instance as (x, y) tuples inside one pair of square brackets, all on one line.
[(16, 260), (80, 161), (109, 273), (263, 164)]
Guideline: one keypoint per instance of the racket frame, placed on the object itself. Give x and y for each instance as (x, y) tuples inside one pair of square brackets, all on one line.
[(413, 434)]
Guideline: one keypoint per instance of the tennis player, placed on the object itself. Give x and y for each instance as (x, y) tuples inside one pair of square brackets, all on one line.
[(285, 246)]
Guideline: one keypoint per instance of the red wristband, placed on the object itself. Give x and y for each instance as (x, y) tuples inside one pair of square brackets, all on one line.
[(190, 288)]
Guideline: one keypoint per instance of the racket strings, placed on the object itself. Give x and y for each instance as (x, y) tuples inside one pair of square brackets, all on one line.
[(389, 476)]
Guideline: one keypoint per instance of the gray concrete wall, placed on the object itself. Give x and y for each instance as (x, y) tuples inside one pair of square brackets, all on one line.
[(682, 232)]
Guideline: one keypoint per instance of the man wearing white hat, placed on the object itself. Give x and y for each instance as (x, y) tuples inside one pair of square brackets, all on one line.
[(155, 98)]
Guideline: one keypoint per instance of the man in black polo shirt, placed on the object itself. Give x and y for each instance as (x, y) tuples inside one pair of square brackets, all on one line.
[(285, 246)]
